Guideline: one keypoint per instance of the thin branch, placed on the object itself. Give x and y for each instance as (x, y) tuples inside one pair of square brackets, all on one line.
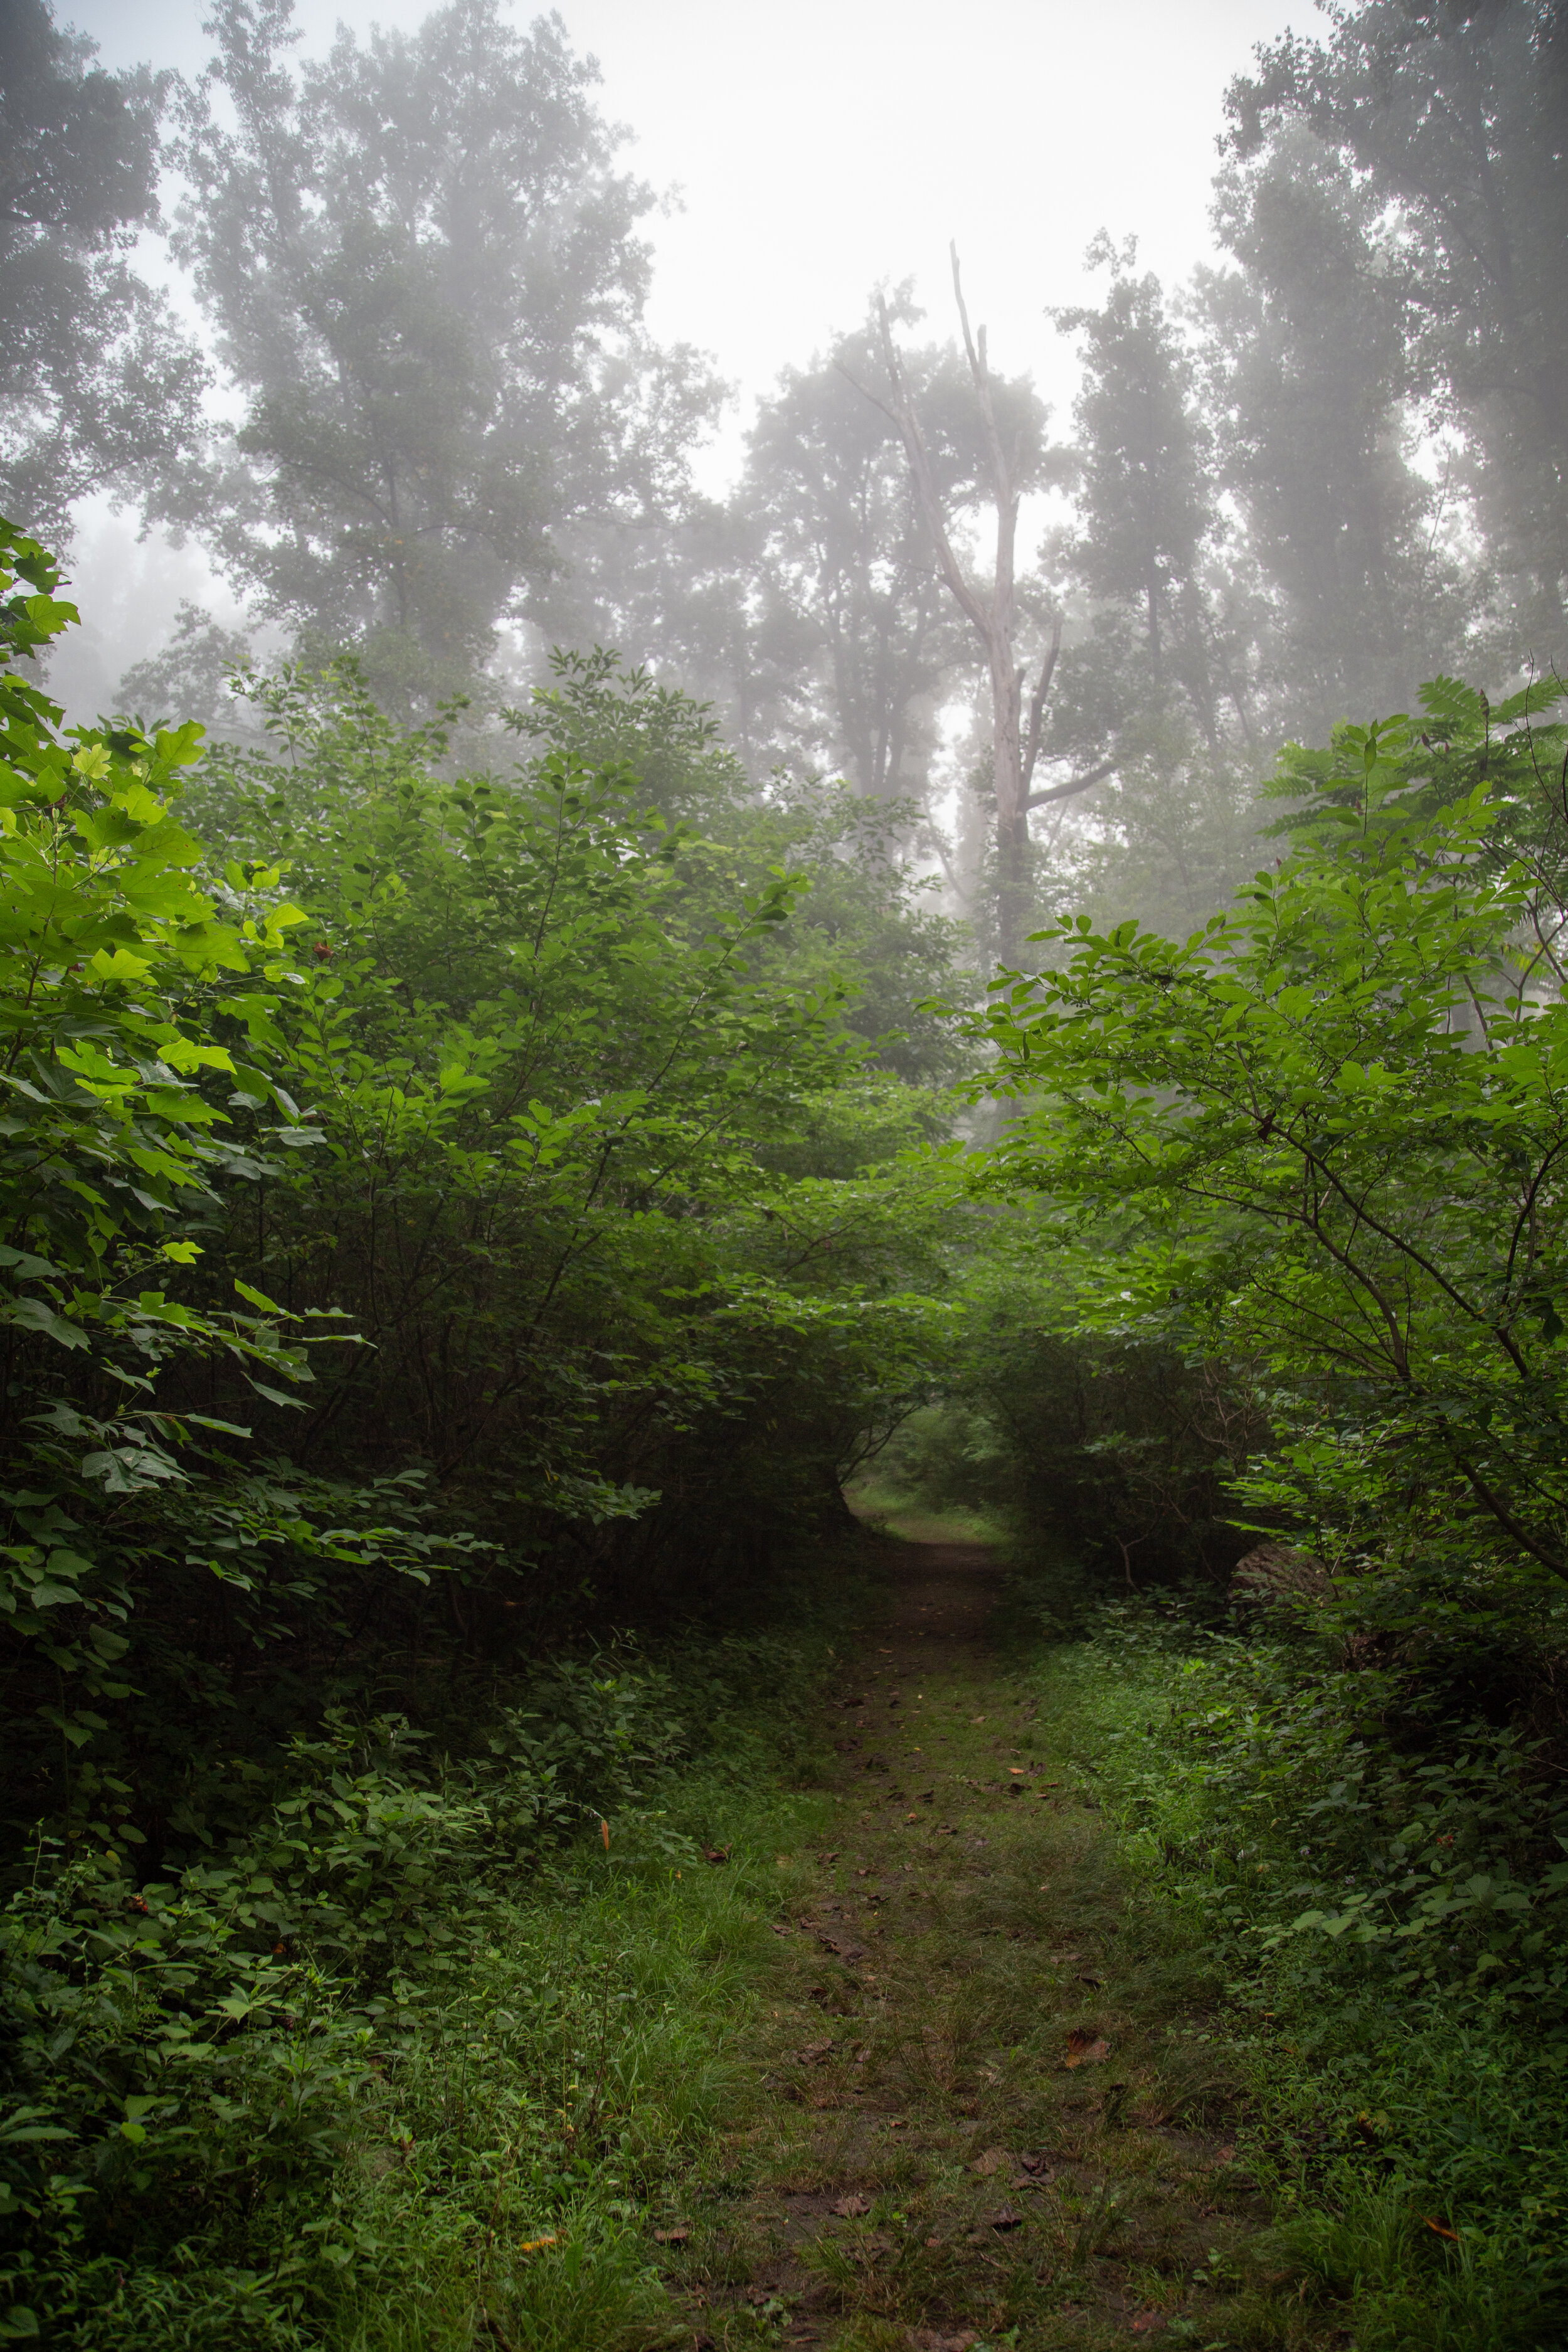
[(977, 367), (866, 393), (1077, 784), (901, 415), (1537, 1549), (1037, 707)]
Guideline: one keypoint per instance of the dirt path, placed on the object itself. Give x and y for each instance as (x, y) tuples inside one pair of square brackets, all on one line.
[(985, 2112)]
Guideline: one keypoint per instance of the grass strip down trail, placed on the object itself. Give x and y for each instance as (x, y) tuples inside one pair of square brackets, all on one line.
[(983, 2107)]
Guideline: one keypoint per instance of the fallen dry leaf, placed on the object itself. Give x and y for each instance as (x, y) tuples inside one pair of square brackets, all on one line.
[(1084, 2049), (715, 1853), (1224, 2156), (1003, 2218), (532, 2245), (1443, 2231), (992, 2161), (815, 2052), (1150, 2323), (849, 2208), (677, 2237)]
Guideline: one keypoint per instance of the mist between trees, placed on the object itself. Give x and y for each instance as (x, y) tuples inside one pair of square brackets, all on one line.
[(488, 1159), (1287, 492)]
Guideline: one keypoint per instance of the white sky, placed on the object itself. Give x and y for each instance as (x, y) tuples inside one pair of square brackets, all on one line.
[(820, 146)]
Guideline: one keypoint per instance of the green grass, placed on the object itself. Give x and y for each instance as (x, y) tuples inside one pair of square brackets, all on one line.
[(1410, 2128), (494, 2161), (480, 2141), (467, 2107), (887, 1503), (571, 2091)]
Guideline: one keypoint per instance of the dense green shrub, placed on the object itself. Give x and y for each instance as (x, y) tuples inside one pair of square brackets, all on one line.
[(444, 1223), (417, 2019), (1383, 1890), (1323, 1137), (449, 1212)]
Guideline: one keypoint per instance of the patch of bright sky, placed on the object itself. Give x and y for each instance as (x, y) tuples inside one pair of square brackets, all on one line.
[(822, 146)]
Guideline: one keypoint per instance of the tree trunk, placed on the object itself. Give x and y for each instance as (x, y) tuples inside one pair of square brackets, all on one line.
[(991, 615)]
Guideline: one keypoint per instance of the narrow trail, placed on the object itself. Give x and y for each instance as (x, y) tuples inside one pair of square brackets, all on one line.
[(984, 2110)]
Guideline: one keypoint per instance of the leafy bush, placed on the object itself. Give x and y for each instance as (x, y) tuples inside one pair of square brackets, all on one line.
[(1323, 1137), (417, 2011), (1387, 1898), (455, 1210), (441, 1225)]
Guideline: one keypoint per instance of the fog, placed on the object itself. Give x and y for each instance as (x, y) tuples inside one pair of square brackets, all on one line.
[(807, 154), (465, 336), (799, 925), (814, 150)]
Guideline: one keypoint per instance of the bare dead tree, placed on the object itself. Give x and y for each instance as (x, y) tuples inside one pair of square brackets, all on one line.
[(990, 613)]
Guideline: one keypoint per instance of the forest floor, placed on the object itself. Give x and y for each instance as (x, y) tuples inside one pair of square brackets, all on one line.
[(986, 2104)]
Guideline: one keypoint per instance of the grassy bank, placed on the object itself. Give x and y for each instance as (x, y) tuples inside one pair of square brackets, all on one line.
[(418, 2055), (1383, 1917)]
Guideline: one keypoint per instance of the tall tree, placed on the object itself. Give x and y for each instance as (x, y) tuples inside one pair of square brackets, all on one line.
[(847, 591), (806, 604), (1162, 669), (1145, 501), (1311, 398), (1453, 117), (424, 276), (99, 389), (1006, 428)]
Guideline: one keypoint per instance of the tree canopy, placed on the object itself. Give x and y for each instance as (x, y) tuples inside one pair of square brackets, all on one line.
[(423, 271), (100, 388)]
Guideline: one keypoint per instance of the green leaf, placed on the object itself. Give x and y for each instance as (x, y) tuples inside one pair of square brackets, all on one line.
[(257, 1298)]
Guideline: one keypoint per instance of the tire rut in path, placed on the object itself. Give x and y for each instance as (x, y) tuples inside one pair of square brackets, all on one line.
[(985, 2109)]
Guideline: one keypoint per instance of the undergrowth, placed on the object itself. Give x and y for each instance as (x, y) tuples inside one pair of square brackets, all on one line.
[(1385, 1902), (411, 2058)]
